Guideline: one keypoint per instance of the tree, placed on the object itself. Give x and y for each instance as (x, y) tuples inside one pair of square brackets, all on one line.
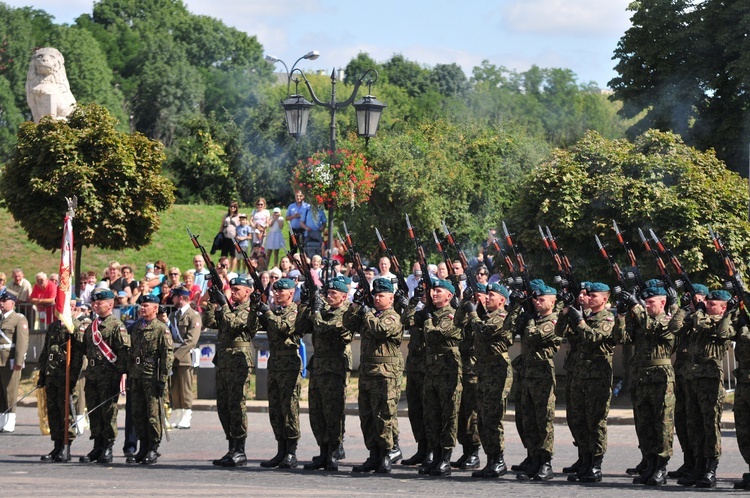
[(656, 182), (116, 176)]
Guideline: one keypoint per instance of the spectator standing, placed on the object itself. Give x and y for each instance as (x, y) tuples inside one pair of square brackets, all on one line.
[(142, 290), (285, 265), (174, 277), (116, 282), (244, 236), (195, 290), (43, 297), (294, 215), (229, 224), (201, 273), (274, 238), (88, 287), (261, 218), (130, 281), (314, 223), (20, 287)]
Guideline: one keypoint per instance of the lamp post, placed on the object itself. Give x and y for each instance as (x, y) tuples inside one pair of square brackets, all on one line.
[(297, 111)]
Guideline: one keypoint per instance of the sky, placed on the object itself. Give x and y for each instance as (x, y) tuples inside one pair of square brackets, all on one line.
[(580, 35)]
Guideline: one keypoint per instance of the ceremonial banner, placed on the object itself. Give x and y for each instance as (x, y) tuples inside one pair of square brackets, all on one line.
[(62, 301)]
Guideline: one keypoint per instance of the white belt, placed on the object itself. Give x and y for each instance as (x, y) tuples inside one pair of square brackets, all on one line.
[(6, 346)]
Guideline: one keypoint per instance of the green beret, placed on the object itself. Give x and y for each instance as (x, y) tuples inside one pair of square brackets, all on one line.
[(382, 285), (241, 281), (598, 287), (537, 284), (499, 288), (445, 284), (700, 289), (149, 298), (545, 290), (283, 283), (586, 286), (181, 291), (653, 291), (481, 288), (718, 295), (339, 285), (343, 278), (102, 294)]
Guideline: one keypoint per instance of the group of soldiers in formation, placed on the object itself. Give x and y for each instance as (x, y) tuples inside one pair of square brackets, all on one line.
[(458, 372)]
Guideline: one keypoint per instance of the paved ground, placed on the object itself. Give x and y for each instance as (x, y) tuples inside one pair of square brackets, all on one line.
[(185, 468)]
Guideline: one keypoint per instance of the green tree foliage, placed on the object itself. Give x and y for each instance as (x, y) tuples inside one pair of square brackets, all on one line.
[(656, 182), (116, 176)]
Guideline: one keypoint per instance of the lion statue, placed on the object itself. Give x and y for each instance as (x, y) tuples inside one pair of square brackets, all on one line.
[(47, 87)]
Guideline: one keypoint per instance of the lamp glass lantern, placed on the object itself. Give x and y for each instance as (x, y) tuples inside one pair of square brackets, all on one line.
[(369, 110), (297, 111)]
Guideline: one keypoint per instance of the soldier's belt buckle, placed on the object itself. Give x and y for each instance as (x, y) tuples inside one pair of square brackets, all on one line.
[(138, 360), (51, 357), (92, 363)]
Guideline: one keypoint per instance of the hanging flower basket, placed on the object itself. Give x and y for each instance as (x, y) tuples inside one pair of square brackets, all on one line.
[(335, 179)]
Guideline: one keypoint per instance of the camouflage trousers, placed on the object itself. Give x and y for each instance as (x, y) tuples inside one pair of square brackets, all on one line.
[(327, 398), (742, 419), (537, 406), (232, 373), (284, 387), (55, 391), (442, 397), (680, 412), (378, 403), (415, 401), (493, 388), (145, 403), (102, 383), (468, 430), (653, 410), (703, 405), (591, 399), (569, 416)]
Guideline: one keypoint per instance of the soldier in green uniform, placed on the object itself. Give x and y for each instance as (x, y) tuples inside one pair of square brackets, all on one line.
[(442, 387), (592, 386), (742, 392), (708, 341), (14, 341), (107, 344), (539, 343), (380, 360), (493, 337), (284, 369), (413, 320), (150, 363), (653, 377), (52, 366), (234, 361), (328, 366)]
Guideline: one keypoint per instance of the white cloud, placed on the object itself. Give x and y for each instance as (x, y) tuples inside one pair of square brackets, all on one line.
[(568, 17)]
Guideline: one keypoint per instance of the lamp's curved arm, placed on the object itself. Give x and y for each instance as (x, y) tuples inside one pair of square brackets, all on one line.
[(359, 82), (336, 105)]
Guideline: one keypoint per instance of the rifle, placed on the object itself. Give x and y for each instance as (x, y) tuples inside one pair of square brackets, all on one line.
[(636, 272), (216, 281), (358, 267), (251, 270), (500, 251), (565, 277), (422, 260), (394, 264), (304, 266), (659, 262), (735, 279), (675, 263), (471, 278), (619, 275), (451, 272), (521, 271)]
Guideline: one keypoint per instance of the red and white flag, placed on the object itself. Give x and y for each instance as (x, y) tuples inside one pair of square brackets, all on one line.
[(62, 301)]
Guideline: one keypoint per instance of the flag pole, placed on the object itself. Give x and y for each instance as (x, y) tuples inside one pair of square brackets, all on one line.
[(62, 303)]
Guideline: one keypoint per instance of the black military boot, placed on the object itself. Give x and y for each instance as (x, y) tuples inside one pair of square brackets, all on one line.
[(219, 461), (708, 480), (64, 455), (594, 473), (473, 461), (688, 463), (93, 455), (648, 471), (443, 468), (636, 471), (331, 464), (152, 455), (531, 469), (582, 469), (521, 467), (464, 456), (576, 465), (384, 466), (371, 464), (142, 451), (659, 476), (50, 457), (318, 461), (427, 466), (290, 456), (106, 455), (690, 478), (487, 468), (395, 455), (237, 457), (276, 460), (418, 457), (544, 473), (744, 483), (340, 453)]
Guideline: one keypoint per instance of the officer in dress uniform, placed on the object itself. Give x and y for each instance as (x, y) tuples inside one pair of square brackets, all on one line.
[(14, 341), (185, 326)]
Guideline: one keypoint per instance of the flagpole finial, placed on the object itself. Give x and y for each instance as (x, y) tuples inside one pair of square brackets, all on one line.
[(72, 205)]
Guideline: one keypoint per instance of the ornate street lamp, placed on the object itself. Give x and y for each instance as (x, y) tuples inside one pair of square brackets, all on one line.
[(297, 110)]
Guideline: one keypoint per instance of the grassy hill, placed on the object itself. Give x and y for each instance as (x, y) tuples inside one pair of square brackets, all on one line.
[(171, 243)]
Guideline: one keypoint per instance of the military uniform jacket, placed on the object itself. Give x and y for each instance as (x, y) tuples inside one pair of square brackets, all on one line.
[(54, 353), (283, 339), (151, 351), (234, 329), (329, 338), (380, 331), (492, 336), (708, 342), (539, 343), (113, 333), (466, 347), (442, 337), (742, 350), (413, 321), (13, 345), (653, 340), (188, 326), (564, 330), (596, 345)]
